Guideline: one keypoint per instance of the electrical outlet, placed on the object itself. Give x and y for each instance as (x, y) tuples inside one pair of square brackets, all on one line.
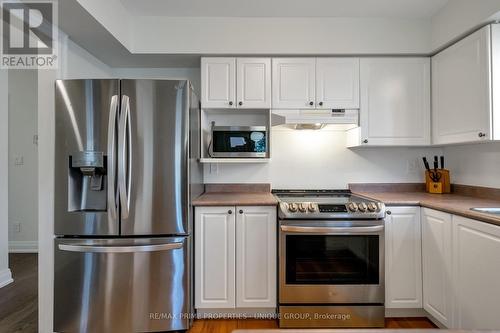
[(15, 227), (214, 168), (18, 160), (412, 166)]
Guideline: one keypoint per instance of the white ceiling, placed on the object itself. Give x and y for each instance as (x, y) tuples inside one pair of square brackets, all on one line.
[(414, 9)]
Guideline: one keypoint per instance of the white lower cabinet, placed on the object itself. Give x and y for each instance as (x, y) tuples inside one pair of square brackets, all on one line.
[(436, 260), (403, 268), (235, 257), (476, 274)]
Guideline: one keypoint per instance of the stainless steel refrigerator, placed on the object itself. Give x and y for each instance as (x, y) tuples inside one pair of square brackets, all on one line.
[(126, 169)]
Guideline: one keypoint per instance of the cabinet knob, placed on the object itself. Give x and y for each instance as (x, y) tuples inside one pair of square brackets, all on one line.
[(230, 212), (365, 141), (388, 212), (311, 103), (320, 103), (240, 103), (241, 211), (481, 134), (230, 102)]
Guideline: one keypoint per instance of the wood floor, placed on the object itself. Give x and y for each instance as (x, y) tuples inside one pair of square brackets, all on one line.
[(19, 306), (227, 326), (19, 300)]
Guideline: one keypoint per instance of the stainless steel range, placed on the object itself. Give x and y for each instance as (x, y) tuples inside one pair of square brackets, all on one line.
[(331, 259)]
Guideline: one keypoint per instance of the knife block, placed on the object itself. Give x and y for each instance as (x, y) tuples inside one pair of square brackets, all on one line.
[(443, 186)]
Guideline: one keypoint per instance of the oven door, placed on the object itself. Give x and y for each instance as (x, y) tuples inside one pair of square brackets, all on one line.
[(331, 262)]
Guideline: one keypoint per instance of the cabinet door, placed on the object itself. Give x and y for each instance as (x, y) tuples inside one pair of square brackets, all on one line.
[(294, 83), (395, 101), (218, 82), (214, 238), (256, 257), (476, 274), (253, 83), (337, 83), (461, 104), (403, 251), (436, 259)]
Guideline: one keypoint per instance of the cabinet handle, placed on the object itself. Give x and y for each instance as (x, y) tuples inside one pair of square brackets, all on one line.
[(311, 103), (230, 212), (230, 102), (241, 211), (389, 212), (240, 103), (365, 141), (481, 134), (320, 103)]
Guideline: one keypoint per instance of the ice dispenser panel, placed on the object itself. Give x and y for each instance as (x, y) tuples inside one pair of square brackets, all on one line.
[(87, 182)]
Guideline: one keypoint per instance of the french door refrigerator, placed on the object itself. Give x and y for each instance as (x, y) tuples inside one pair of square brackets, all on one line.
[(126, 169)]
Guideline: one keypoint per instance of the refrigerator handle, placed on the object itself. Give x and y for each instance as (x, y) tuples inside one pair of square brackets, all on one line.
[(111, 159), (124, 157), (120, 249)]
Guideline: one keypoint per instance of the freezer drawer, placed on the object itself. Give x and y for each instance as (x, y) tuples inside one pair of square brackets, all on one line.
[(121, 285)]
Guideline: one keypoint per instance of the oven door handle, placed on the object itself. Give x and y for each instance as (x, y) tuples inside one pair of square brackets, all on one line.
[(331, 230)]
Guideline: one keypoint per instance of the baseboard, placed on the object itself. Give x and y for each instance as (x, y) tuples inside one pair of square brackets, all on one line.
[(396, 313), (5, 277), (23, 247)]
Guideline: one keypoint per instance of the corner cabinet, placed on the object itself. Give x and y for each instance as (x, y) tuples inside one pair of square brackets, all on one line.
[(403, 251), (476, 274), (243, 83), (461, 90), (437, 261), (395, 103), (235, 257)]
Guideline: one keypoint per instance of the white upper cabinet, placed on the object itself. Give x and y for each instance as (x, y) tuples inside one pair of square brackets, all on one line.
[(337, 83), (476, 274), (436, 264), (461, 90), (403, 267), (236, 83), (294, 83), (395, 102), (253, 83), (218, 82), (256, 257)]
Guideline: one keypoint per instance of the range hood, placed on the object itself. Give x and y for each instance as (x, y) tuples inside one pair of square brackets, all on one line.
[(315, 116)]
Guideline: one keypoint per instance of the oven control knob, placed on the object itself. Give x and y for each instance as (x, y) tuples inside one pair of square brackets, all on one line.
[(302, 207), (312, 208), (362, 207), (352, 206), (372, 207), (292, 207)]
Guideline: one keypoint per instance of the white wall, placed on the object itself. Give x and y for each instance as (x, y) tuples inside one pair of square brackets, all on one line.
[(5, 274), (23, 178), (475, 164), (320, 160), (460, 16), (271, 35)]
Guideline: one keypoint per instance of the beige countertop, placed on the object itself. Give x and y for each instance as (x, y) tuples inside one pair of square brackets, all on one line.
[(451, 203), (236, 195), (236, 199)]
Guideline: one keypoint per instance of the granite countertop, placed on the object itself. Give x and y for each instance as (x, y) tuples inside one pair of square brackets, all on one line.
[(236, 195), (458, 203)]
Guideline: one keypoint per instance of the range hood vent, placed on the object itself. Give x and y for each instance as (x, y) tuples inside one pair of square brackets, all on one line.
[(315, 116)]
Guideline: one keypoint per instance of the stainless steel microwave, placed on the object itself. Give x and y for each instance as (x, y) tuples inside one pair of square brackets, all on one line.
[(239, 141)]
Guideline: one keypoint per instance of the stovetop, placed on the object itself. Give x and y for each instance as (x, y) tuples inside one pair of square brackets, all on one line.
[(327, 204)]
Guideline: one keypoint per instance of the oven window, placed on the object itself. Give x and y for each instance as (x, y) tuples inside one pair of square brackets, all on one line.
[(332, 259)]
